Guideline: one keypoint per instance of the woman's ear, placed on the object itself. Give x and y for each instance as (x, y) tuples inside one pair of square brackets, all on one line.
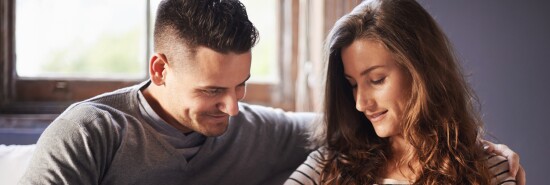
[(158, 68)]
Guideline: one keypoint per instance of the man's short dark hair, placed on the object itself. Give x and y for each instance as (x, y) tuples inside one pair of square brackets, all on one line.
[(221, 25)]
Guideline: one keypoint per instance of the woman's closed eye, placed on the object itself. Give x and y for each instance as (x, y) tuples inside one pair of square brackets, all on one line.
[(378, 81)]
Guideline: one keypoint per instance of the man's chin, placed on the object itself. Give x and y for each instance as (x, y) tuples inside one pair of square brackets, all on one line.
[(216, 129)]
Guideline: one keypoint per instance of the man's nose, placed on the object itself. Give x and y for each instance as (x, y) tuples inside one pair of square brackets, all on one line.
[(230, 104)]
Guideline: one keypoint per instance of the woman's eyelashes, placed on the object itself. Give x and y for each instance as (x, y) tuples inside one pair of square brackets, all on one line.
[(378, 81)]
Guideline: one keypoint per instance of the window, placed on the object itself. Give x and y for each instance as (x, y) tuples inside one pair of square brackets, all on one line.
[(69, 39), (55, 52), (263, 15)]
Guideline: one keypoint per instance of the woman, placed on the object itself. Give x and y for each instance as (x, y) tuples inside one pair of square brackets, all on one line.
[(397, 107)]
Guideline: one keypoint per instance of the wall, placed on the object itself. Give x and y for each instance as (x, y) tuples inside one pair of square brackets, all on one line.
[(504, 47)]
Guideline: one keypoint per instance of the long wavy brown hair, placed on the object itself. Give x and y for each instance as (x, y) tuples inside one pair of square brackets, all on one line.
[(440, 120)]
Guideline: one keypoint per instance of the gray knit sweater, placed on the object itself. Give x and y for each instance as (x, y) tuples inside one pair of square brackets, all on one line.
[(106, 140)]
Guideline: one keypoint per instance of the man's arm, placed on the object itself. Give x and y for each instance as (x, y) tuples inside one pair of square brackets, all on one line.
[(70, 152)]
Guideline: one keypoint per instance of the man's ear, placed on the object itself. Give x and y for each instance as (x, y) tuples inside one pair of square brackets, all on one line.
[(158, 69)]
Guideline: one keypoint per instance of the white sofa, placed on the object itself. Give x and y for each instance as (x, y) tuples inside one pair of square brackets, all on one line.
[(14, 160)]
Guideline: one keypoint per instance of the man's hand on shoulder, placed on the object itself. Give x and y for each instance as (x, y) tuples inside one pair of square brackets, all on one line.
[(516, 169)]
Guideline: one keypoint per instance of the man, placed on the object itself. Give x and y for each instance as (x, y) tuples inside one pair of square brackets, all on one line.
[(184, 125), (174, 128)]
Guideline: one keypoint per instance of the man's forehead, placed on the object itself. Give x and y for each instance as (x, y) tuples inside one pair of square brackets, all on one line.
[(213, 83), (213, 69)]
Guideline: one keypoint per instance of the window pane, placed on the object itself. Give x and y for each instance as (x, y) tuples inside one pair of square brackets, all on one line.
[(81, 38), (263, 15)]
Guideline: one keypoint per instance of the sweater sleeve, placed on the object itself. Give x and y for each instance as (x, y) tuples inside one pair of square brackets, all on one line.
[(74, 149), (287, 133), (276, 138), (309, 172)]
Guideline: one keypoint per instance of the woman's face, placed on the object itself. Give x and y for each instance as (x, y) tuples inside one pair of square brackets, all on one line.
[(380, 86)]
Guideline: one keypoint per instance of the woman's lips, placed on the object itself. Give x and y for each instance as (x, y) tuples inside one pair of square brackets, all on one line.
[(377, 116)]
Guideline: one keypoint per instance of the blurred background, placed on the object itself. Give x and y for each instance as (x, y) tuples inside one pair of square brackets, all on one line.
[(503, 46), (56, 52)]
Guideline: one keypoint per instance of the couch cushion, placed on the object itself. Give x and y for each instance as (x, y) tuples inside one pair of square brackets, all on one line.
[(14, 160)]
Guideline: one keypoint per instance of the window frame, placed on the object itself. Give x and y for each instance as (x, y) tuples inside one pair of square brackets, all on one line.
[(53, 95), (22, 95)]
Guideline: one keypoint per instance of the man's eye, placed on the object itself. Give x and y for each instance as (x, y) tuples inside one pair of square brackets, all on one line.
[(212, 92)]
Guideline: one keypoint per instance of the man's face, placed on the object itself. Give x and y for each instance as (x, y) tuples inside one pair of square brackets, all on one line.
[(202, 93)]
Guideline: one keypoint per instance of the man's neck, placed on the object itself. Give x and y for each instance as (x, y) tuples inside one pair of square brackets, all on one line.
[(151, 96)]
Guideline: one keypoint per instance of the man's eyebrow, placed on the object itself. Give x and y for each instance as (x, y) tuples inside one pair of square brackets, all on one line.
[(218, 87), (366, 71)]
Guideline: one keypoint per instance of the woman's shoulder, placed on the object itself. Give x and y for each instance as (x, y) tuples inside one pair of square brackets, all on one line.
[(319, 154), (309, 172), (500, 169)]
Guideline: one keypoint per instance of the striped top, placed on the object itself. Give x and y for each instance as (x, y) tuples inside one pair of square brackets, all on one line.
[(309, 172)]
